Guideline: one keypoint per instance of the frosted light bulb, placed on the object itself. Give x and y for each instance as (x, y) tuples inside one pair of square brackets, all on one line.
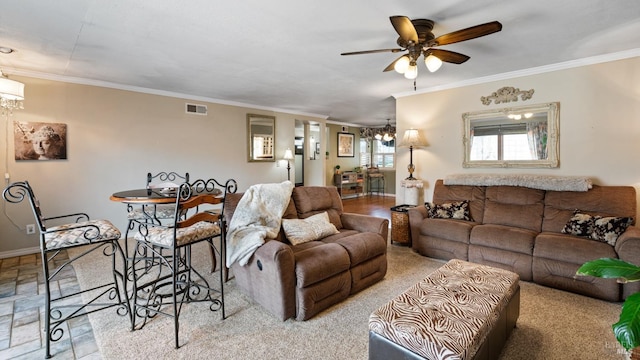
[(433, 63), (401, 65), (412, 72)]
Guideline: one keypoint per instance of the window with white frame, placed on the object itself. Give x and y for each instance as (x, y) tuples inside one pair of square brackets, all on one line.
[(378, 153), (501, 142)]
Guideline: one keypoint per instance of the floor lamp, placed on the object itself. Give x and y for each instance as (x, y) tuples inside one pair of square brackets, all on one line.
[(412, 138), (288, 155)]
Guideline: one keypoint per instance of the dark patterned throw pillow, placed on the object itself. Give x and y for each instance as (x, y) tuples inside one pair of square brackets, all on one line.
[(454, 210), (580, 224), (608, 229)]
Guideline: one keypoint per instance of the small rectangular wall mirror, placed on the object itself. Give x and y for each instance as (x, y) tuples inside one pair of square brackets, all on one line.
[(261, 137), (523, 136)]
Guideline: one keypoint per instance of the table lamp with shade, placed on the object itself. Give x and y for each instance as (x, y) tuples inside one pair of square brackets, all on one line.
[(412, 138), (288, 155)]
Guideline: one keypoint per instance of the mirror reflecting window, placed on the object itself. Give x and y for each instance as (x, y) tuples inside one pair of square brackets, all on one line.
[(261, 131), (523, 136)]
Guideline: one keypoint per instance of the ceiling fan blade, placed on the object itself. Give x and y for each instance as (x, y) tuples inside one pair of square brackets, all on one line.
[(447, 56), (404, 27), (467, 34), (395, 50), (393, 64)]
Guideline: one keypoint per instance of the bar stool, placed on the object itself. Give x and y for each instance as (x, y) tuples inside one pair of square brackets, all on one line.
[(172, 281), (376, 178), (93, 235)]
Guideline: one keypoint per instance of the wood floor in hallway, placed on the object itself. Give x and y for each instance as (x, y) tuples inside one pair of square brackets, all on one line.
[(375, 205)]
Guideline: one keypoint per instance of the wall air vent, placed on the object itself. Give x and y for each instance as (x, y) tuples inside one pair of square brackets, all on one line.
[(196, 109)]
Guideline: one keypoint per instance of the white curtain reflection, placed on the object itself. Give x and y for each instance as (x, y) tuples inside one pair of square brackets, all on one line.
[(537, 136)]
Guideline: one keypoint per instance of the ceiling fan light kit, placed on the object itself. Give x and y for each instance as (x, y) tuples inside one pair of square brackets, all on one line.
[(412, 71), (416, 38), (433, 63)]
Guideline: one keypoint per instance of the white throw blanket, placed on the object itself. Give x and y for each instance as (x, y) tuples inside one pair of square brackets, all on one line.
[(542, 182), (258, 216)]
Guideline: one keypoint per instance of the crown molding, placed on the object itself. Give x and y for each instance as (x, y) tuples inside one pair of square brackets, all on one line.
[(138, 89), (527, 72)]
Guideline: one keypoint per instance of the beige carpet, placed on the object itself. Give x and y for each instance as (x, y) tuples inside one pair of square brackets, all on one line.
[(553, 324)]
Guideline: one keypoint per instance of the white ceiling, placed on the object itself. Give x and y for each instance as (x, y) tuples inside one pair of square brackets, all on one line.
[(285, 54)]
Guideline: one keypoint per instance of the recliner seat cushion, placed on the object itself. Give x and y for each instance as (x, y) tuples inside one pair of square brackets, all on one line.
[(570, 248), (320, 262), (504, 237), (362, 246), (454, 230)]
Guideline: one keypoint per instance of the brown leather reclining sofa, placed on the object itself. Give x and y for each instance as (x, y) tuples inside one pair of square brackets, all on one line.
[(520, 229), (302, 280)]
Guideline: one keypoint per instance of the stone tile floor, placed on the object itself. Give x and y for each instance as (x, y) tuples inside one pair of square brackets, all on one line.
[(22, 313)]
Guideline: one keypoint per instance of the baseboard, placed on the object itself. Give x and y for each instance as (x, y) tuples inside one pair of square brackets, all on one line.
[(19, 252)]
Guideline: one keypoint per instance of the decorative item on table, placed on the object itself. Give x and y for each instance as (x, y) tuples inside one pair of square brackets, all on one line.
[(412, 138), (337, 167)]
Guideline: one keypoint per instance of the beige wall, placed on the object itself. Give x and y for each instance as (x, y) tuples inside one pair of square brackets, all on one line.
[(599, 123), (114, 138)]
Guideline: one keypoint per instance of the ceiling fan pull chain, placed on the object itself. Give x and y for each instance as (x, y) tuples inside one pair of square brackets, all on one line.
[(414, 84)]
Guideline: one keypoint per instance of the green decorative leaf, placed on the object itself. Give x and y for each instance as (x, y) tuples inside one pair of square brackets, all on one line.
[(627, 329), (610, 269)]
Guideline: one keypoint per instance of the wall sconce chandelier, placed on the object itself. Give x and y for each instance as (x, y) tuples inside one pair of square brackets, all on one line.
[(386, 133), (11, 94)]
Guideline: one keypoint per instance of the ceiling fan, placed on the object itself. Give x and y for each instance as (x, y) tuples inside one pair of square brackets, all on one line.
[(417, 39)]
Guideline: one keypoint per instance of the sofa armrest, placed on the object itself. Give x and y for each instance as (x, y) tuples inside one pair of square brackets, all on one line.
[(366, 223), (628, 245), (416, 215), (269, 278), (628, 249)]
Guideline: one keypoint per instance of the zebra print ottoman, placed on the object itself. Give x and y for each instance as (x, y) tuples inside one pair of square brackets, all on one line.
[(460, 311)]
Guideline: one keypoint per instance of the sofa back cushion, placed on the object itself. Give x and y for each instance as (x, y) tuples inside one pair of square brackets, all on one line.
[(514, 206), (453, 193), (311, 200), (617, 201)]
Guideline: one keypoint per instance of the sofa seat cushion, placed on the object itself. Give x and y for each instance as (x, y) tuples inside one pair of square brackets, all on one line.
[(455, 230), (362, 246), (504, 237), (343, 233), (320, 262), (571, 249)]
